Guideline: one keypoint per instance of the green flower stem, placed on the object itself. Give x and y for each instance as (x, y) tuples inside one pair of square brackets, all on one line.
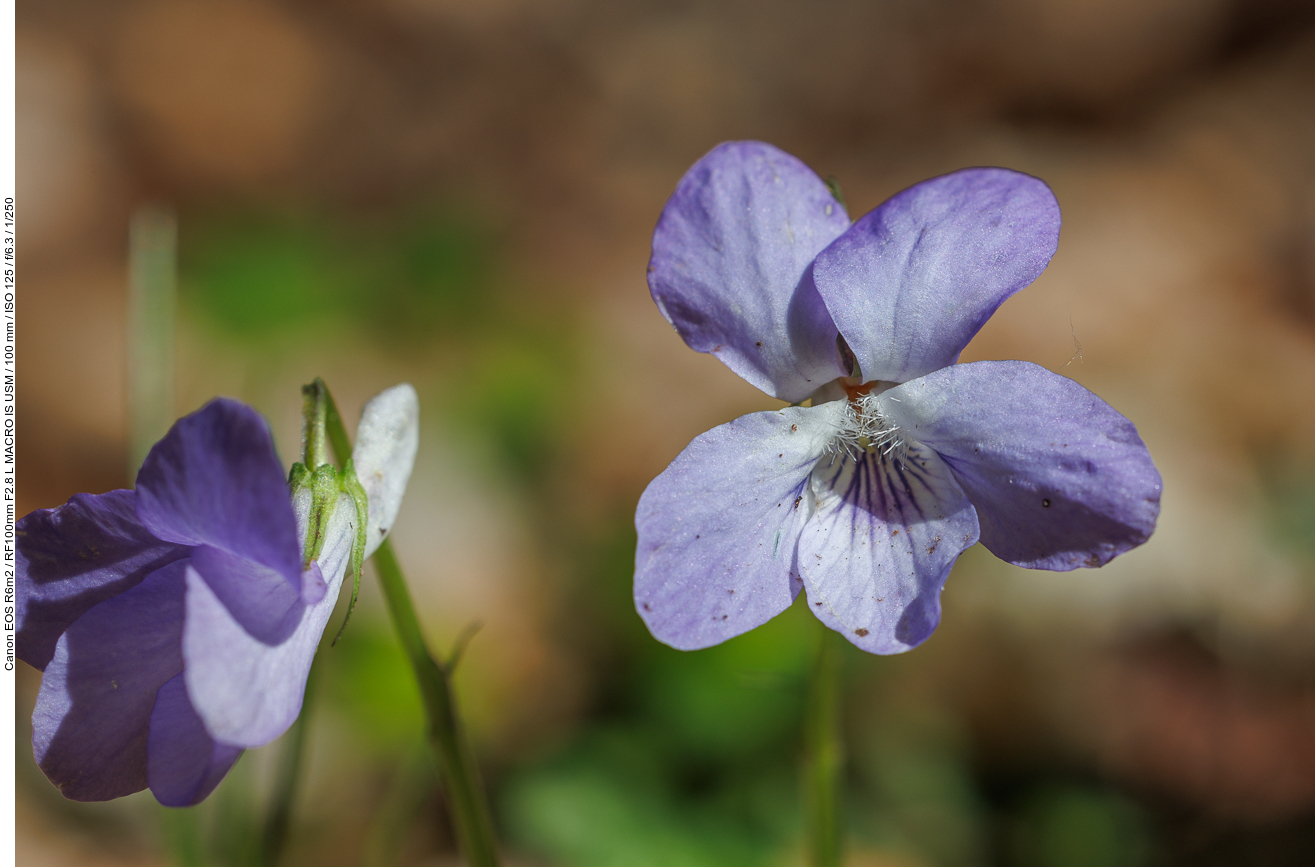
[(278, 818), (333, 426), (470, 811), (824, 756), (465, 791)]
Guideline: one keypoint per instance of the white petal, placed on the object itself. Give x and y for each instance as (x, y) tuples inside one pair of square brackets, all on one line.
[(385, 452)]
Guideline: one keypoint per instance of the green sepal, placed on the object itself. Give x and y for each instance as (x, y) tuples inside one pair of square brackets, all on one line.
[(351, 486), (833, 184), (321, 428), (324, 490), (298, 476)]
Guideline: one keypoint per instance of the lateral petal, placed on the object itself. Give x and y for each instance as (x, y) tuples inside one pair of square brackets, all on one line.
[(718, 528), (913, 280), (183, 763), (71, 558), (875, 556), (92, 715), (1058, 477), (384, 454), (730, 266), (216, 480), (245, 690)]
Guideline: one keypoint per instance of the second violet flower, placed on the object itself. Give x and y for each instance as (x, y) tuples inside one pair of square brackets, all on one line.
[(905, 459), (175, 624)]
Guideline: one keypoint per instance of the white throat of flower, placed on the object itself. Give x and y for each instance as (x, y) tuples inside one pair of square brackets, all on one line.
[(865, 427)]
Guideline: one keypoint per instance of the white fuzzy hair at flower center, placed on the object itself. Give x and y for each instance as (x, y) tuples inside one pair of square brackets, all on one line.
[(866, 428)]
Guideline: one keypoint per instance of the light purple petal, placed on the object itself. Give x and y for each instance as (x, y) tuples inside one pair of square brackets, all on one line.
[(717, 529), (184, 764), (90, 724), (876, 555), (731, 254), (215, 480), (1059, 479), (71, 558), (246, 691), (913, 280)]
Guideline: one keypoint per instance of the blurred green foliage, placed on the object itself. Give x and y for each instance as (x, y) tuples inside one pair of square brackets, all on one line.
[(183, 838), (262, 275), (513, 395), (694, 762), (369, 679), (1080, 826), (1289, 488), (925, 799)]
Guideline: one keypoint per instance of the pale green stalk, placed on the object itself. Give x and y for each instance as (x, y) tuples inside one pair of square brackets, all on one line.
[(824, 757), (152, 286), (182, 836)]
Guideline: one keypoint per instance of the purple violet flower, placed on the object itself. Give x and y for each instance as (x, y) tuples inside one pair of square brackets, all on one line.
[(175, 624), (905, 459)]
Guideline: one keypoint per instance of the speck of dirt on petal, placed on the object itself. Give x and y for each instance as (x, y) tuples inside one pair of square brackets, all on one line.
[(861, 633)]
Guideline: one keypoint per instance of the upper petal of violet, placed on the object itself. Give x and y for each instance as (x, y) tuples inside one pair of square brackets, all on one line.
[(71, 558), (731, 255), (718, 528), (1058, 477), (913, 280), (216, 480)]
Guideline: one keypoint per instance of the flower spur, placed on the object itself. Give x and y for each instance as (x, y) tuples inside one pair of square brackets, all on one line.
[(905, 458)]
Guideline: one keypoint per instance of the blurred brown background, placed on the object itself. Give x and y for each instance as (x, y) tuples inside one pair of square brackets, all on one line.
[(461, 194)]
